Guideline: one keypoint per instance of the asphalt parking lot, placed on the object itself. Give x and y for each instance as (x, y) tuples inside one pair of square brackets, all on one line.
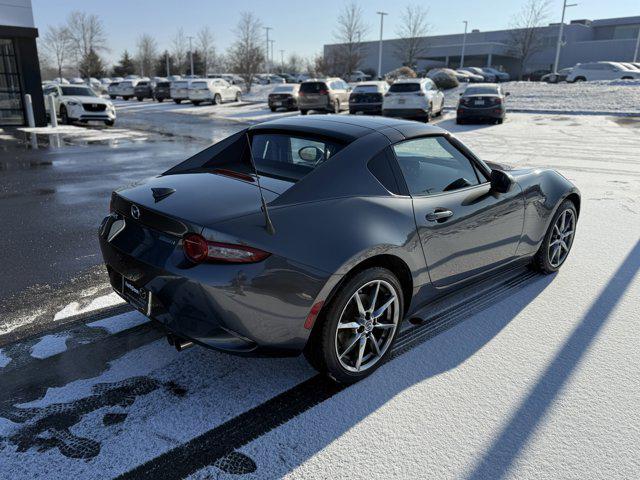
[(522, 376)]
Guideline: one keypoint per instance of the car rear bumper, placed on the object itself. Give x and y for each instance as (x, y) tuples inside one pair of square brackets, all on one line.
[(492, 113), (405, 112), (321, 104), (365, 108), (242, 309), (282, 103)]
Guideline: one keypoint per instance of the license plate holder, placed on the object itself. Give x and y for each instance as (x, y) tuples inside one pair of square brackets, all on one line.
[(479, 102), (401, 101), (138, 297)]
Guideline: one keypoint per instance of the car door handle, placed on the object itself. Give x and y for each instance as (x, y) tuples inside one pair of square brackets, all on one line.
[(437, 215)]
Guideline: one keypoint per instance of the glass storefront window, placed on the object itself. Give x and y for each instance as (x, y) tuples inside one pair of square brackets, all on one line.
[(11, 111)]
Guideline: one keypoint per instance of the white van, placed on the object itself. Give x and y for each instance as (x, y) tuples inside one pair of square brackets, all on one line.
[(585, 72), (214, 90), (417, 98)]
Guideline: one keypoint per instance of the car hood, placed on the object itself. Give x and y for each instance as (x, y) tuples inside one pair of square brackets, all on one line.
[(85, 99), (202, 198)]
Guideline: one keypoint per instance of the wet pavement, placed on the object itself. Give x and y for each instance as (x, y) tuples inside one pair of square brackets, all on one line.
[(54, 193)]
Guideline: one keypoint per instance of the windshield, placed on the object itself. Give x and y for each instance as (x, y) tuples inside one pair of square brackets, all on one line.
[(78, 91), (405, 87), (313, 87), (481, 91)]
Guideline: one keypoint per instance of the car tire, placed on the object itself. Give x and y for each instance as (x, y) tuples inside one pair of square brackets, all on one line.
[(160, 100), (109, 123), (217, 99), (64, 116), (238, 97), (580, 79), (429, 115), (112, 97), (304, 112), (546, 260), (336, 107), (140, 99), (125, 98), (357, 341), (273, 109), (500, 121), (177, 101), (459, 121), (195, 103)]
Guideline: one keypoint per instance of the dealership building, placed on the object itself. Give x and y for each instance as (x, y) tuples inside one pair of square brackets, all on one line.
[(19, 66), (612, 39)]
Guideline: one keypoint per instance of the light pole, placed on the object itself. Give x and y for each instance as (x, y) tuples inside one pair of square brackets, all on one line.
[(266, 60), (166, 58), (382, 14), (191, 54), (559, 44), (282, 60), (272, 60), (635, 54), (464, 43)]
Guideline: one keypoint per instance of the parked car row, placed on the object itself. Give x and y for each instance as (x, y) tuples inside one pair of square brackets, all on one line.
[(417, 98)]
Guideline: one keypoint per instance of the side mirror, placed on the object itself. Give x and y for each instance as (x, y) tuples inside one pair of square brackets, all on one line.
[(460, 93), (500, 181), (310, 154), (507, 94)]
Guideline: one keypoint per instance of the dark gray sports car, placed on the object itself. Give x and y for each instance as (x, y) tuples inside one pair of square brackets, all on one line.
[(321, 234)]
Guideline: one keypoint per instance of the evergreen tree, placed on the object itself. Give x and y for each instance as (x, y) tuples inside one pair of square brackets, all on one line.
[(125, 67), (160, 66), (91, 65)]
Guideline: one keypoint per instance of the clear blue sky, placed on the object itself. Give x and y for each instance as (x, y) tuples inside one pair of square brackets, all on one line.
[(300, 26)]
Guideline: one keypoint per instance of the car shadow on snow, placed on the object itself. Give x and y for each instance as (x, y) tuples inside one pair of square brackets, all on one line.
[(450, 125)]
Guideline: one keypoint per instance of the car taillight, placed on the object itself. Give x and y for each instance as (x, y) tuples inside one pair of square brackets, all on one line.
[(198, 250), (463, 101), (323, 92), (497, 101)]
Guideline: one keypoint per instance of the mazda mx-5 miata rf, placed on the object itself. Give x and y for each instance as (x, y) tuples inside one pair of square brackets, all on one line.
[(321, 234)]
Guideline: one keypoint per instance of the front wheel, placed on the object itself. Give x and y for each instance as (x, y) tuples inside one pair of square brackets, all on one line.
[(304, 112), (112, 97), (217, 99), (558, 240), (238, 97), (359, 326), (336, 107), (109, 123), (64, 116), (177, 101), (195, 102)]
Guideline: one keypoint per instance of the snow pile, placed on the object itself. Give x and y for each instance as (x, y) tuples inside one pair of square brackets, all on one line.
[(615, 96)]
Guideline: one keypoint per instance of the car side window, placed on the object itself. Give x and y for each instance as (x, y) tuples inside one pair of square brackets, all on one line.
[(432, 165)]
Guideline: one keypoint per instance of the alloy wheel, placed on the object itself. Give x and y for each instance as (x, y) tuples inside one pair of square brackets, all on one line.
[(561, 238), (367, 326)]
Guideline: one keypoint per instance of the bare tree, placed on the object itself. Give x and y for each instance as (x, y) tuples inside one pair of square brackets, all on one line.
[(294, 64), (205, 44), (411, 32), (179, 49), (147, 54), (351, 28), (86, 35), (246, 55), (56, 45), (526, 38)]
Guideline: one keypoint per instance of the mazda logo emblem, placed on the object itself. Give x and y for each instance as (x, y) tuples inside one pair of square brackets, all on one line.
[(135, 212)]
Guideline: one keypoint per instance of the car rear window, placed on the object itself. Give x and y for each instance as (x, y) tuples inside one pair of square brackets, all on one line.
[(126, 84), (164, 84), (199, 85), (481, 91), (313, 87), (404, 87), (181, 84), (285, 89), (365, 89), (142, 84)]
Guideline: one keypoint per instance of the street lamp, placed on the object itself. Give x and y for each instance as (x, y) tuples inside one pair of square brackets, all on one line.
[(464, 43), (191, 54), (382, 14), (559, 44), (266, 29)]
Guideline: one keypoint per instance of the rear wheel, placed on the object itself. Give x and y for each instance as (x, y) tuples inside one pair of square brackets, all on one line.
[(336, 107), (359, 326), (304, 112), (217, 99), (125, 98), (112, 97), (177, 100), (140, 98), (195, 102), (238, 97), (160, 99), (558, 240), (273, 109)]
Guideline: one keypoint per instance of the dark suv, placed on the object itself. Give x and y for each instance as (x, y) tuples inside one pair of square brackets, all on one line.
[(162, 91), (326, 95), (144, 89)]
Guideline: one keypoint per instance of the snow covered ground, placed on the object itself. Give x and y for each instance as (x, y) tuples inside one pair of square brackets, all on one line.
[(613, 96), (539, 381)]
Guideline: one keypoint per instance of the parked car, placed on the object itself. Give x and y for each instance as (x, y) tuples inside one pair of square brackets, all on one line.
[(486, 76), (180, 90), (76, 81), (484, 102), (351, 241), (288, 78), (415, 98), (113, 90), (471, 77), (162, 91), (536, 75), (367, 97), (301, 77), (323, 95), (214, 91), (61, 81), (268, 78), (144, 89), (79, 103), (629, 66), (561, 76), (284, 96), (600, 71), (357, 76), (96, 85), (500, 76), (128, 87)]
